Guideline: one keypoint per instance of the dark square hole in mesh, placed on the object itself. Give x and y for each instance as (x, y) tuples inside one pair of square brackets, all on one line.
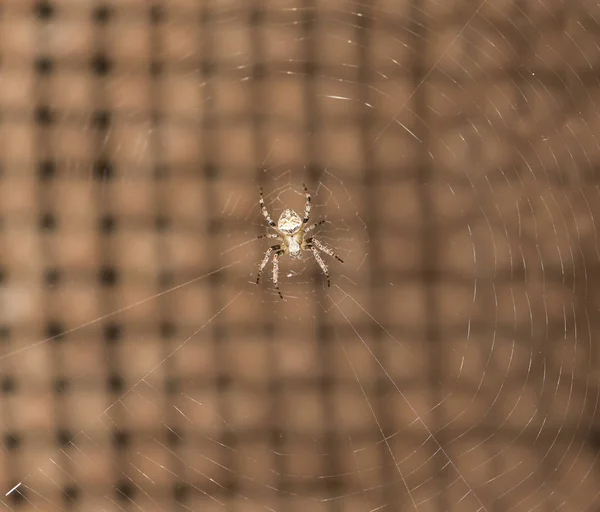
[(108, 276), (206, 16), (44, 65), (231, 483), (211, 171), (115, 384), (101, 119), (259, 71), (19, 496), (125, 491), (102, 14), (44, 10), (220, 332), (157, 14), (313, 172), (121, 439), (108, 224), (324, 331), (335, 485), (181, 492), (165, 279), (71, 493), (268, 330), (8, 384), (256, 17), (161, 172), (112, 332), (273, 386), (168, 330), (55, 330), (223, 382), (594, 440), (157, 117), (156, 68), (11, 441), (327, 384), (172, 385), (216, 279), (162, 223), (103, 170), (311, 68), (64, 437), (101, 65), (215, 226), (61, 386), (48, 222), (174, 437), (52, 277), (207, 68), (44, 116), (228, 438), (277, 436), (46, 170), (4, 332)]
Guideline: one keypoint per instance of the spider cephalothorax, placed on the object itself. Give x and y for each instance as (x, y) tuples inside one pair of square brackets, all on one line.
[(292, 234)]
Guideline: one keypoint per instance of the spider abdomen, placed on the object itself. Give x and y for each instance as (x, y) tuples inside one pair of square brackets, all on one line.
[(289, 222)]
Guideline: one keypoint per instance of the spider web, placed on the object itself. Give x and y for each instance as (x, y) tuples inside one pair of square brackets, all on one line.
[(451, 148)]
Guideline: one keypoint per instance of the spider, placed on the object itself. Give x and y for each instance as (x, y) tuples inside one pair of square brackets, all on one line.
[(292, 234)]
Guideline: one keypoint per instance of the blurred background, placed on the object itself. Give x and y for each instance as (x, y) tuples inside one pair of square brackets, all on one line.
[(452, 149)]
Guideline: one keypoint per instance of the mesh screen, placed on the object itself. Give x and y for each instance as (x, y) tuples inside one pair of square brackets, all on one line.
[(451, 156)]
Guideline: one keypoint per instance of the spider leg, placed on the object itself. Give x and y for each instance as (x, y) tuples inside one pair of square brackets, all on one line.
[(322, 247), (264, 210), (276, 272), (307, 206), (265, 260), (321, 264), (268, 235), (313, 226)]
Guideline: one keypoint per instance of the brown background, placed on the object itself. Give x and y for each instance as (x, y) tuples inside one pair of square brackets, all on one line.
[(453, 148)]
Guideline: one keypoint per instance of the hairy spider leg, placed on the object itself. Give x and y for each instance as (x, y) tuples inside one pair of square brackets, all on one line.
[(321, 264), (264, 210), (276, 272), (315, 225), (307, 206), (322, 247), (265, 260)]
